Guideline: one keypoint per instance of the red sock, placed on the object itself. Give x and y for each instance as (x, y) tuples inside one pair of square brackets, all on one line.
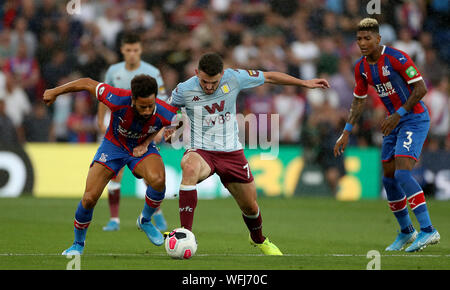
[(113, 200), (254, 225), (187, 204)]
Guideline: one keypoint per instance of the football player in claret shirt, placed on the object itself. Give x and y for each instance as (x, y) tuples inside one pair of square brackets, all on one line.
[(137, 116), (209, 98), (401, 88)]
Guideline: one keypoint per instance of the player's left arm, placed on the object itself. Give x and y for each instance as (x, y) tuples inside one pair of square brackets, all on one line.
[(175, 129), (170, 112), (167, 132), (280, 78), (410, 74), (142, 148), (418, 92)]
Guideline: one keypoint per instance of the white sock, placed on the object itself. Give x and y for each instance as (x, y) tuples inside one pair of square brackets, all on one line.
[(113, 185), (252, 216)]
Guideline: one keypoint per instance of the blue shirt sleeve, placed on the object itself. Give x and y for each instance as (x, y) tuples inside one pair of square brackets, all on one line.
[(176, 99), (248, 78)]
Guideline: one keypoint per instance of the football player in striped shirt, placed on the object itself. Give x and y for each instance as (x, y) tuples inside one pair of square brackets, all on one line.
[(137, 116), (401, 88), (119, 75)]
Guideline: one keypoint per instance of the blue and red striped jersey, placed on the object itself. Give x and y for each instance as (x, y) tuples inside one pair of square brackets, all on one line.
[(125, 128), (391, 77)]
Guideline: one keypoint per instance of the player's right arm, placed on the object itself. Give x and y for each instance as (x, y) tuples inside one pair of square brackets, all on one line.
[(83, 84), (356, 110)]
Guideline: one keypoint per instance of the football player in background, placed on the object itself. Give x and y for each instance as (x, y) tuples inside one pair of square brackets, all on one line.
[(401, 88)]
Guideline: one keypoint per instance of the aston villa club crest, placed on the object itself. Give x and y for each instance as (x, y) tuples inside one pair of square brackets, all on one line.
[(253, 73), (225, 88)]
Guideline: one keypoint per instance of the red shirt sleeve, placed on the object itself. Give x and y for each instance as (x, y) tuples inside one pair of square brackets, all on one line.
[(360, 90), (113, 98)]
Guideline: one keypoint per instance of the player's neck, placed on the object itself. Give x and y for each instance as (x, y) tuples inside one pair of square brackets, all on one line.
[(375, 56), (132, 66)]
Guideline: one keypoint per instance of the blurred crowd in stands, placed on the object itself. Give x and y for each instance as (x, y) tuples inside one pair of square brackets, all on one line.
[(42, 46)]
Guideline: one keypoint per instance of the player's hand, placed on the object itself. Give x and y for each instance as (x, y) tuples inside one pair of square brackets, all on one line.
[(317, 83), (168, 132), (158, 138), (49, 96), (390, 123), (140, 150), (341, 143)]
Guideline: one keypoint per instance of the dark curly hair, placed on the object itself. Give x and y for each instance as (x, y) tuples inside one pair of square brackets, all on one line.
[(211, 64), (143, 86)]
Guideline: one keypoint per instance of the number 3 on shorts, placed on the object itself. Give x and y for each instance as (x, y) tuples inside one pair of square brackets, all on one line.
[(407, 143), (248, 170)]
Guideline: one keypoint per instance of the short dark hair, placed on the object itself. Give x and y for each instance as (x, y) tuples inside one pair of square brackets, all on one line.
[(130, 38), (369, 24), (211, 64), (143, 86)]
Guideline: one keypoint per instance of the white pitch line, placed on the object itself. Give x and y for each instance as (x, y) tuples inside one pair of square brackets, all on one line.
[(221, 255)]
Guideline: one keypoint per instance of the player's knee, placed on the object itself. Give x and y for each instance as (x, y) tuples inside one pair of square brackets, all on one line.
[(89, 201), (190, 170), (157, 180), (250, 209)]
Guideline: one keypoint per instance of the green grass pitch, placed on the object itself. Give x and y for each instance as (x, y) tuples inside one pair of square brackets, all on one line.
[(313, 233)]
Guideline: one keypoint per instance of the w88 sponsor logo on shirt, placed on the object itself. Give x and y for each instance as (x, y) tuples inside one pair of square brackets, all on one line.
[(215, 119)]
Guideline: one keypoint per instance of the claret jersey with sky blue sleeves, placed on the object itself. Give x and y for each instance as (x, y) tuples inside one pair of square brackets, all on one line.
[(213, 122)]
